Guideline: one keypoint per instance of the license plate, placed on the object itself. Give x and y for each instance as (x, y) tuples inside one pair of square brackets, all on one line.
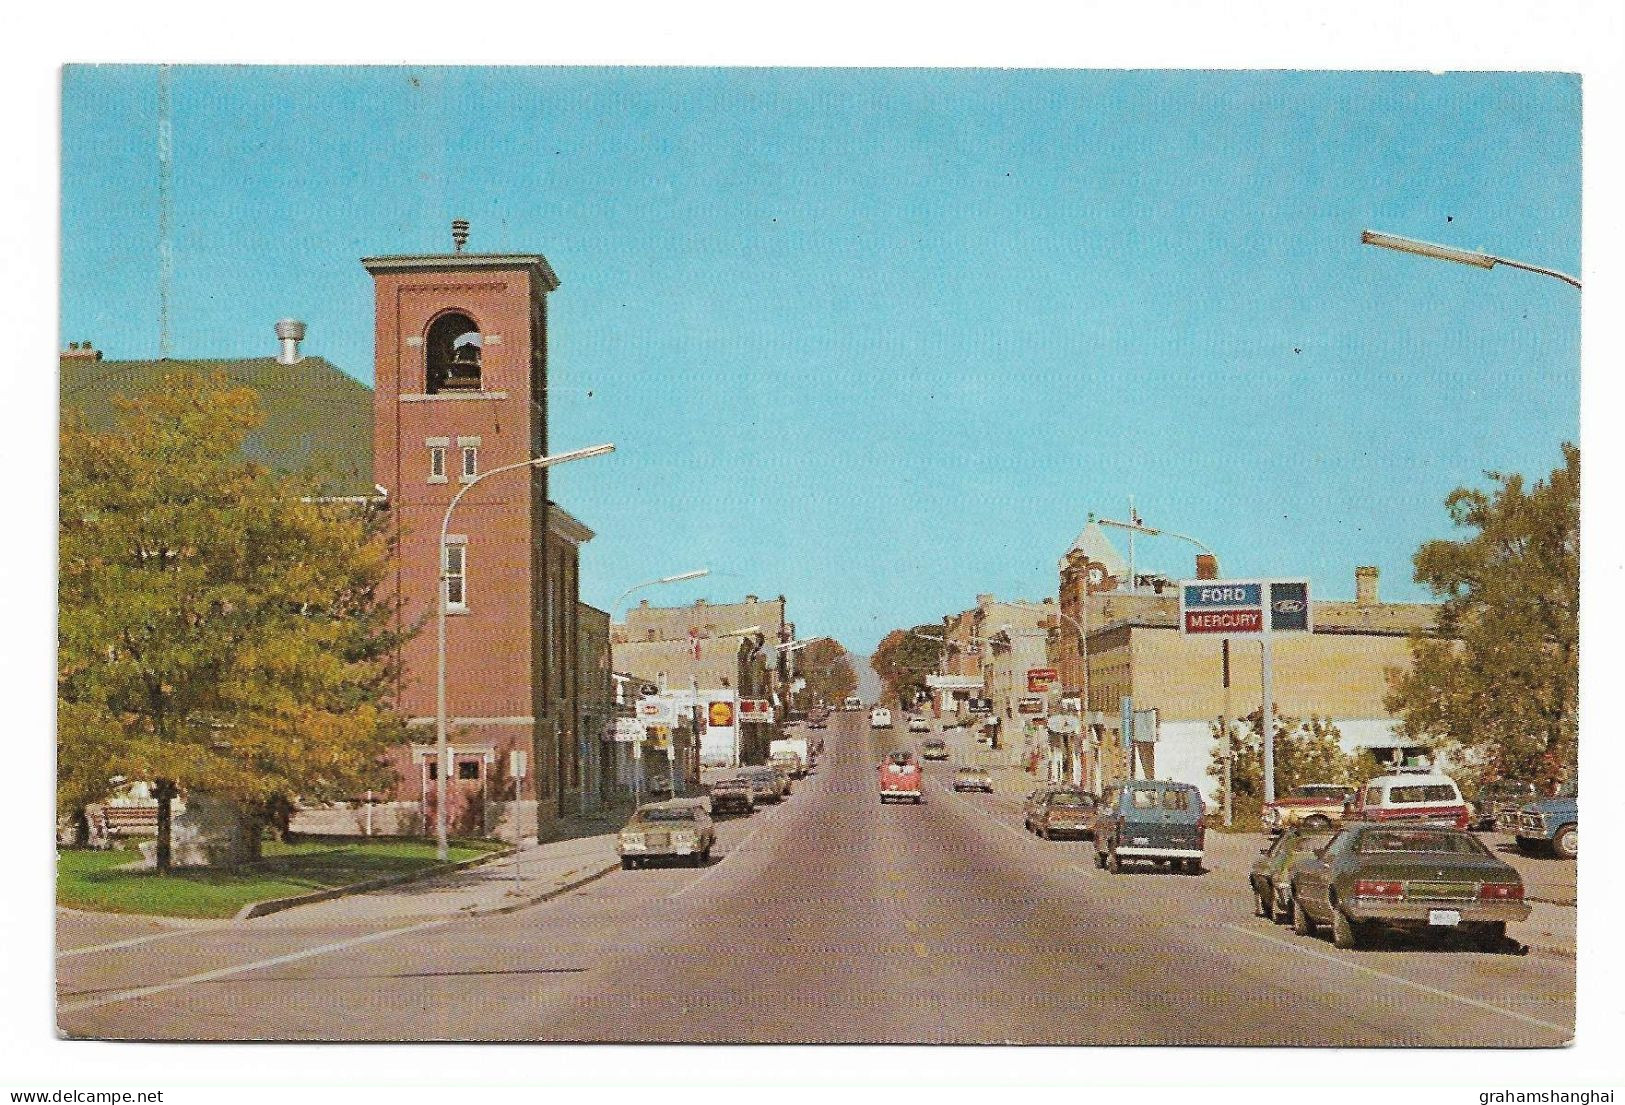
[(1444, 917), (1142, 841), (684, 850)]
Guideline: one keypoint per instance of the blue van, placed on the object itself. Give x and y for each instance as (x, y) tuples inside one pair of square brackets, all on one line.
[(1150, 819)]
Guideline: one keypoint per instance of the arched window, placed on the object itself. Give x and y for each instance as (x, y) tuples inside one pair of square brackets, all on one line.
[(453, 361)]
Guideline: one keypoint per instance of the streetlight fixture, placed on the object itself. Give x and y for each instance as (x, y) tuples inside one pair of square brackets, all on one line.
[(442, 748), (1476, 258), (678, 578)]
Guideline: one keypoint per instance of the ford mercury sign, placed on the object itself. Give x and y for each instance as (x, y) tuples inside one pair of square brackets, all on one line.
[(1240, 607)]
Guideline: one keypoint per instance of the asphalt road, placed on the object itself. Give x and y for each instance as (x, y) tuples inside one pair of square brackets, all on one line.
[(833, 918)]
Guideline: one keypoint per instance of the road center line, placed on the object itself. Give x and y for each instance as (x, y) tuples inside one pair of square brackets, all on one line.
[(241, 968), (966, 803), (717, 866), (1402, 980)]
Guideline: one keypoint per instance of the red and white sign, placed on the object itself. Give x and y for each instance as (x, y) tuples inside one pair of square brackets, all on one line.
[(1224, 621), (755, 711), (1040, 680)]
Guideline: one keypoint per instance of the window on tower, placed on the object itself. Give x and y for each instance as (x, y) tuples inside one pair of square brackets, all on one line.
[(453, 354)]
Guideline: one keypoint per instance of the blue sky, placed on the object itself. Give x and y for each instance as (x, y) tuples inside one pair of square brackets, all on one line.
[(881, 340)]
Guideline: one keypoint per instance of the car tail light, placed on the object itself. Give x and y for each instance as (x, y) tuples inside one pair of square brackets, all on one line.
[(1501, 891), (1376, 888)]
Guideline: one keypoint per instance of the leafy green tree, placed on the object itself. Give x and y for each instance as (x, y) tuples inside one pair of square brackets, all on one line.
[(1306, 751), (828, 670), (220, 630), (904, 658), (1498, 679)]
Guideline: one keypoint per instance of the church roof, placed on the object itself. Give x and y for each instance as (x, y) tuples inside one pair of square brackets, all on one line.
[(316, 418), (1095, 545)]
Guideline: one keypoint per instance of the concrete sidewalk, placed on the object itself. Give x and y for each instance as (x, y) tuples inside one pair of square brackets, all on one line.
[(532, 874)]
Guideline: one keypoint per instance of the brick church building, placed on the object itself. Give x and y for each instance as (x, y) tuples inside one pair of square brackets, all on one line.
[(460, 388)]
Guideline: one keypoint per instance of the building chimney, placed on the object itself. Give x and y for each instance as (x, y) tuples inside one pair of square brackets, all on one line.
[(290, 332), (1365, 586), (1207, 566), (459, 234), (82, 350)]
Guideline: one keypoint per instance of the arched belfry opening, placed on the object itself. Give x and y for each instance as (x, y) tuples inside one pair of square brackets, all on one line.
[(453, 347)]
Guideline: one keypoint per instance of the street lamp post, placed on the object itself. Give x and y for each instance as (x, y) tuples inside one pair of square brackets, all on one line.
[(1224, 722), (637, 757), (1476, 258), (442, 748)]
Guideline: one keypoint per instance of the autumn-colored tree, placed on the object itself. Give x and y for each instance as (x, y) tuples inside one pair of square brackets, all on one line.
[(1497, 682), (904, 658), (828, 670), (220, 629)]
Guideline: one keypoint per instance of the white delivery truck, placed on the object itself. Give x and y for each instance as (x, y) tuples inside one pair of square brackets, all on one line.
[(880, 718), (799, 746)]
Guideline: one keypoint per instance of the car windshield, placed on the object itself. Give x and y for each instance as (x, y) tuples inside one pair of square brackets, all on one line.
[(1438, 841), (1308, 842), (679, 814), (1070, 798)]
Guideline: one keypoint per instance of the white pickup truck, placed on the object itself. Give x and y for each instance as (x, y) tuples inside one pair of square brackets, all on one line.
[(880, 718)]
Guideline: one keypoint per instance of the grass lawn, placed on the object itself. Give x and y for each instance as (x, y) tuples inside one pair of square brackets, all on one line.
[(90, 880)]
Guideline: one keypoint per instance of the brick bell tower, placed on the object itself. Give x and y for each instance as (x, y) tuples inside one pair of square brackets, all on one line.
[(460, 388)]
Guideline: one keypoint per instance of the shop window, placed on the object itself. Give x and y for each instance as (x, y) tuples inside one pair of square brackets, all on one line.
[(468, 769)]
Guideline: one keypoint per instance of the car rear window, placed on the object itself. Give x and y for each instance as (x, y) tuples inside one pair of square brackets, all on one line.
[(1420, 840), (1430, 792), (667, 815)]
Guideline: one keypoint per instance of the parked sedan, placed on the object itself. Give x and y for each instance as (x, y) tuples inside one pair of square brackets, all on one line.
[(1272, 892), (1373, 875), (1062, 811), (973, 778), (917, 724), (733, 794), (677, 830)]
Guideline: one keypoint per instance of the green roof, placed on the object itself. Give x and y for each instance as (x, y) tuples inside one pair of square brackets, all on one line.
[(316, 419)]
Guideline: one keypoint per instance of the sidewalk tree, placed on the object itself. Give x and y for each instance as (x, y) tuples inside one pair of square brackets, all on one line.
[(828, 670), (1498, 679), (1306, 751), (904, 658), (219, 630)]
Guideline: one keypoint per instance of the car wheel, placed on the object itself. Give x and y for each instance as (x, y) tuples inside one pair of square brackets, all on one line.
[(627, 863), (1100, 859), (1301, 924), (1317, 823), (1262, 907), (1567, 842), (1193, 867), (1345, 933), (1281, 906), (1114, 862), (1045, 833)]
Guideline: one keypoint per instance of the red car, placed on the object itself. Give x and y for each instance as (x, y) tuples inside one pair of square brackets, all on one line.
[(900, 778)]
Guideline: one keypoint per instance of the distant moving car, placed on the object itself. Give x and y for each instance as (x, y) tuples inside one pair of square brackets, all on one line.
[(900, 779), (880, 718), (732, 794), (667, 830), (786, 781), (1496, 804), (1060, 811), (1552, 824), (789, 762), (1427, 798), (764, 783), (853, 702), (917, 724), (1150, 819), (934, 749), (1272, 890), (1407, 876), (1315, 806), (972, 778)]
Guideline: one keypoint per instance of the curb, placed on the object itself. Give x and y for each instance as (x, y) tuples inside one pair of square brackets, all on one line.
[(277, 905), (536, 899)]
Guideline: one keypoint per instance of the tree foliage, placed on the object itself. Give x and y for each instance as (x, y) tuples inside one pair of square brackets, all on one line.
[(828, 670), (1498, 682), (1306, 751), (903, 659), (218, 631)]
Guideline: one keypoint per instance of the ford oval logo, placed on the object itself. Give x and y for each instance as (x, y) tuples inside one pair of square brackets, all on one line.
[(1288, 606)]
